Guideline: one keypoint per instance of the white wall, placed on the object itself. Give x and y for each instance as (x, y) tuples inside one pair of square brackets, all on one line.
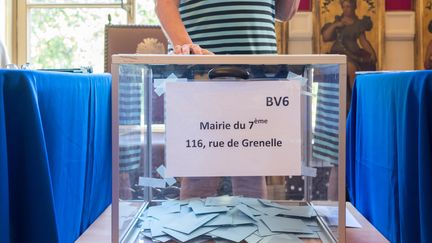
[(399, 38)]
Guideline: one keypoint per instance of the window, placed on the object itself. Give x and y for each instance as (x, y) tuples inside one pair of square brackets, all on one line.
[(2, 21), (145, 13), (70, 33)]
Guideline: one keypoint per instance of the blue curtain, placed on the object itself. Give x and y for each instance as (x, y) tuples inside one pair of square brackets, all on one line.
[(55, 161), (389, 153)]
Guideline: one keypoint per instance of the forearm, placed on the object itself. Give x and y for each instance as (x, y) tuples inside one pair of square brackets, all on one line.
[(285, 9), (427, 64), (367, 46), (328, 32), (427, 59), (170, 20), (371, 50)]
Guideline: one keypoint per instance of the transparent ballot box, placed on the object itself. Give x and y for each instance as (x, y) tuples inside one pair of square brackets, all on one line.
[(228, 148)]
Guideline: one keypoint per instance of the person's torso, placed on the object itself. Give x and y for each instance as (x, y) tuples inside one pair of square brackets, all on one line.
[(231, 26), (349, 34)]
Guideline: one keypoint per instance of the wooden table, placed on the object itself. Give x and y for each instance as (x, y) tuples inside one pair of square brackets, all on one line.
[(100, 230)]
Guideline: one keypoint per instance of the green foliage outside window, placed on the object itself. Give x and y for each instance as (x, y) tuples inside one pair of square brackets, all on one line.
[(70, 37)]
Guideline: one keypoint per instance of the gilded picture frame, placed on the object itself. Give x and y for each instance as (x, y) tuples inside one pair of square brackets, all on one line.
[(282, 36), (423, 34), (370, 15)]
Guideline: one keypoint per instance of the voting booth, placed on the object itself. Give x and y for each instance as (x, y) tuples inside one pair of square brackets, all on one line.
[(228, 147)]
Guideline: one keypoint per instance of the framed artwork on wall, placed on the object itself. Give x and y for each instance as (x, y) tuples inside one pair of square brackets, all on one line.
[(351, 27), (424, 34), (354, 28)]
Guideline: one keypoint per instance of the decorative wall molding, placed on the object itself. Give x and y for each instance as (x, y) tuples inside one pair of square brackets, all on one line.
[(399, 37), (301, 34), (400, 26), (300, 27)]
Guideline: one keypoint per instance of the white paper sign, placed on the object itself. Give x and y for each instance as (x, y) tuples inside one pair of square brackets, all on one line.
[(233, 128)]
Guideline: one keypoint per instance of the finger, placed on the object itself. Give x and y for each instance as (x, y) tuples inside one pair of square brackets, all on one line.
[(207, 52), (196, 49), (178, 49), (185, 49)]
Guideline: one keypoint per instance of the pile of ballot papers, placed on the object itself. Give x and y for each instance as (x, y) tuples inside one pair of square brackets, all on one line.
[(227, 218)]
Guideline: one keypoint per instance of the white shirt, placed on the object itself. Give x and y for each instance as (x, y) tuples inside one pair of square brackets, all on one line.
[(4, 58)]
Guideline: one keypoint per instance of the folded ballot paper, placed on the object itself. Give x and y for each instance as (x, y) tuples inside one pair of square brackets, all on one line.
[(228, 219)]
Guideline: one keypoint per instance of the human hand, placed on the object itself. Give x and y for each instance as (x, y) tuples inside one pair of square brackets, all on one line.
[(373, 58), (427, 64), (346, 21), (187, 49), (339, 23)]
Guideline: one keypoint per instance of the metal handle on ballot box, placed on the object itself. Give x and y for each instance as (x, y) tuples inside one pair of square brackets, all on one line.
[(228, 72)]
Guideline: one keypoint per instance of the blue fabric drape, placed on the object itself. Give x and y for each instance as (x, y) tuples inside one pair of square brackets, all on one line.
[(389, 153), (4, 184), (55, 161)]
